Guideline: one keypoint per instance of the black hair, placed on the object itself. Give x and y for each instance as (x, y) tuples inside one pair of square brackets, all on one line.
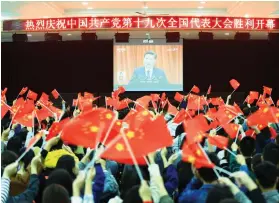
[(7, 157), (185, 174), (61, 177), (151, 53), (266, 174), (256, 160), (14, 144), (271, 153), (55, 193), (217, 193), (179, 130), (132, 195), (208, 174), (66, 162), (247, 146)]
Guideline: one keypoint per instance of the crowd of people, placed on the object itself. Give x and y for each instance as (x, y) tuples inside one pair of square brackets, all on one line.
[(43, 169)]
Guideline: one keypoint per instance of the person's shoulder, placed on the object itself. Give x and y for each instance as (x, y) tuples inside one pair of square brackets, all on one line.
[(159, 71)]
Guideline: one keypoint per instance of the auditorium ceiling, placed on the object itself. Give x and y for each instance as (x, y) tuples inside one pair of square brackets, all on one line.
[(42, 9)]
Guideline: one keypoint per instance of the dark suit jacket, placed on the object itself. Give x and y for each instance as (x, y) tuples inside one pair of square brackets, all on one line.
[(158, 76)]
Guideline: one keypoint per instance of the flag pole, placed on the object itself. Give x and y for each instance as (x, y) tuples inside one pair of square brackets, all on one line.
[(230, 151), (109, 129), (132, 155), (215, 171), (47, 108), (236, 137)]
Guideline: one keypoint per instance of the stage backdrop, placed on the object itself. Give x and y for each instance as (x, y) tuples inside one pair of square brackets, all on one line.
[(129, 57), (76, 66)]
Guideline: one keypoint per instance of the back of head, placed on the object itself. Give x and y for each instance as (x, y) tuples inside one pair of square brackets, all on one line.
[(266, 174), (61, 177), (28, 157), (257, 159), (218, 193), (132, 195), (7, 157), (66, 162), (14, 144), (247, 146), (55, 193), (208, 174), (271, 153)]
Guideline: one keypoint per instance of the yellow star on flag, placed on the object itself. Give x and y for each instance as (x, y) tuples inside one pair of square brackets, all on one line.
[(94, 129), (108, 116), (130, 134), (119, 147), (191, 159)]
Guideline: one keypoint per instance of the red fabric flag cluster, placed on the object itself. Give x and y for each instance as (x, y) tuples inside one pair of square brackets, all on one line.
[(263, 116), (232, 129), (55, 94), (83, 129), (218, 141), (234, 83), (217, 101), (253, 95), (144, 132), (4, 108)]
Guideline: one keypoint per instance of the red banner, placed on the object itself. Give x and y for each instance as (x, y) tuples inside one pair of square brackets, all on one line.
[(131, 23)]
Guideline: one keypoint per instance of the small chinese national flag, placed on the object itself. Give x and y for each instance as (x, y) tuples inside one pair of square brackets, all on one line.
[(75, 102), (3, 93), (178, 97), (32, 95), (254, 95), (55, 94), (267, 90), (116, 93), (56, 127), (195, 89), (44, 98), (23, 90), (171, 109), (269, 101), (218, 141), (234, 83), (231, 129), (24, 119), (34, 140), (43, 113)]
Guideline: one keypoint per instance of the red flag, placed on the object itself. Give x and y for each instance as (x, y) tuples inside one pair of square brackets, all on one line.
[(209, 90), (33, 140), (18, 104), (155, 97), (145, 135), (172, 109), (28, 107), (4, 108), (254, 95), (123, 104), (83, 129), (164, 96), (263, 116), (56, 127), (116, 93), (44, 98), (43, 113), (23, 90), (111, 102), (55, 94), (195, 129), (32, 95), (3, 93), (180, 116), (142, 103), (195, 89), (234, 83), (75, 102), (218, 141), (24, 119), (178, 97), (248, 100), (231, 129), (267, 90), (238, 109), (217, 101), (56, 110), (195, 102)]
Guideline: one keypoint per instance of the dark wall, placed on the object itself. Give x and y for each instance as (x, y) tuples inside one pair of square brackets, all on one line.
[(77, 66)]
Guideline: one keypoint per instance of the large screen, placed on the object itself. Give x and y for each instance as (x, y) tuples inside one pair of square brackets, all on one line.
[(148, 67)]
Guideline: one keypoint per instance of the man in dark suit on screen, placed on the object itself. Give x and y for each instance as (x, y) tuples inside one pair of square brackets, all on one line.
[(149, 74)]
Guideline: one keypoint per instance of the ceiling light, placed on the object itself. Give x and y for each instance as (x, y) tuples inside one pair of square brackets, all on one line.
[(29, 35), (200, 7), (227, 34), (69, 34), (89, 8), (202, 2), (246, 15), (84, 3)]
